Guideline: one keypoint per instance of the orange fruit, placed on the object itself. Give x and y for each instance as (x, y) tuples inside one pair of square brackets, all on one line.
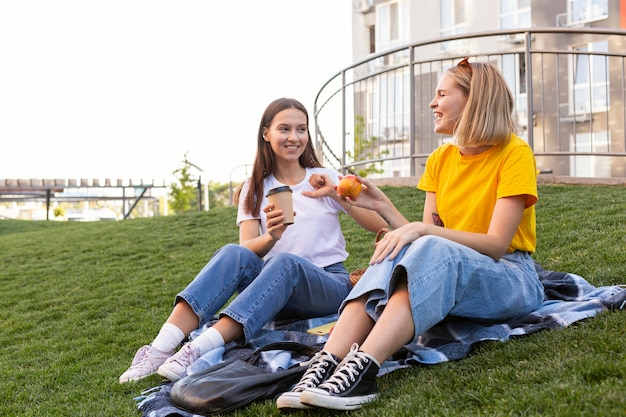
[(349, 186)]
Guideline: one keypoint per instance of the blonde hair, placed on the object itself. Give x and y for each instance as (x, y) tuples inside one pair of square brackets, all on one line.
[(488, 115)]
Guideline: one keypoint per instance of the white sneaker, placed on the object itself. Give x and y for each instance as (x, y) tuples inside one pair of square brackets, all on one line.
[(145, 363), (176, 366)]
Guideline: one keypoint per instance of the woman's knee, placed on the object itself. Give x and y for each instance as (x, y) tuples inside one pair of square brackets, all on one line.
[(233, 252), (232, 248), (430, 241), (283, 259), (283, 256), (433, 248)]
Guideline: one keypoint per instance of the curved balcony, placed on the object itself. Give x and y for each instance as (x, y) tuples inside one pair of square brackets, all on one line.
[(569, 87)]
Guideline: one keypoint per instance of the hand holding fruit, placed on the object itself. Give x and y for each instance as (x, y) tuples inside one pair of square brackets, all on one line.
[(349, 186), (364, 192)]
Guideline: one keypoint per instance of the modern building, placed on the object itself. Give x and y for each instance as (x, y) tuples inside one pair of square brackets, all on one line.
[(564, 61)]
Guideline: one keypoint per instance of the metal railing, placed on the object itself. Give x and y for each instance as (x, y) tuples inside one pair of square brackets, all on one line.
[(568, 83)]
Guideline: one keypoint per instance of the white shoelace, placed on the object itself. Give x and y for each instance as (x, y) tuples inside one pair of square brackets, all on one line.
[(142, 357), (315, 373), (346, 371), (186, 356)]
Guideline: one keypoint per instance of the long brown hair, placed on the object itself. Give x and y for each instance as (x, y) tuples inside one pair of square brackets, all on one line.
[(265, 162)]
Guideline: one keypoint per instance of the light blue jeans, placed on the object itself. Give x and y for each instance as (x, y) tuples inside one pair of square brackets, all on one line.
[(285, 286), (449, 279)]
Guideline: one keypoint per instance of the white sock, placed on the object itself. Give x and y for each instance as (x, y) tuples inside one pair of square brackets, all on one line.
[(168, 339), (208, 340)]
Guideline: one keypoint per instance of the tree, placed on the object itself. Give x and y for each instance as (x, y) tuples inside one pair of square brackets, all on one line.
[(363, 150), (59, 212), (183, 194), (218, 194)]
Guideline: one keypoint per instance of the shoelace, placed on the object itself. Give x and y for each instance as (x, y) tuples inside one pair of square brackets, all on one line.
[(346, 372), (185, 357), (142, 357), (314, 374)]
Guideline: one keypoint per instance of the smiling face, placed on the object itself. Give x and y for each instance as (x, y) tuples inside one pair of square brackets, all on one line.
[(447, 105), (288, 134)]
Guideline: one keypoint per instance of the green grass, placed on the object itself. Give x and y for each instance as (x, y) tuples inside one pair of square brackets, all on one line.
[(78, 299)]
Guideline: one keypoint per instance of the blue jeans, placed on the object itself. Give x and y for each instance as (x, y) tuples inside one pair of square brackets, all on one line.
[(449, 279), (283, 287)]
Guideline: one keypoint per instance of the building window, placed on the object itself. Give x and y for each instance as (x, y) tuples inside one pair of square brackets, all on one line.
[(584, 11), (590, 165), (590, 80), (514, 71), (385, 122), (392, 24), (514, 14), (453, 23)]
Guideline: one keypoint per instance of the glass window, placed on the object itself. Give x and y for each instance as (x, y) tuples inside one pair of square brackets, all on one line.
[(581, 11), (514, 14), (590, 165), (590, 79), (394, 31), (459, 12), (392, 24), (452, 23), (514, 71), (447, 18)]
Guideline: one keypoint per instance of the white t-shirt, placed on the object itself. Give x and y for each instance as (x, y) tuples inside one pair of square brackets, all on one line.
[(316, 234)]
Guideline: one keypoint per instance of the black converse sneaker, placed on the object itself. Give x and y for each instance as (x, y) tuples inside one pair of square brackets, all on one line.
[(321, 367), (352, 385)]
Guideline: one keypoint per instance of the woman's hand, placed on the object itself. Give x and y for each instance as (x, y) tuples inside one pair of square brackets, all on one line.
[(323, 186), (274, 223), (392, 243), (370, 197)]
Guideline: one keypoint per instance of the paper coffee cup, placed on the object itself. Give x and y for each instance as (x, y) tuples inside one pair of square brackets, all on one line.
[(281, 198)]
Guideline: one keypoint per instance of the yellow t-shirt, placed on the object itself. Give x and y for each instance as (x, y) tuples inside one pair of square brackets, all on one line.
[(467, 187)]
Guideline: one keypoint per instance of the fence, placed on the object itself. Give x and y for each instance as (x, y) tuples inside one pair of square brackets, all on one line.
[(568, 83)]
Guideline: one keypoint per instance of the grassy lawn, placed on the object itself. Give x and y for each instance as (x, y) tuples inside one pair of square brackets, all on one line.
[(78, 299)]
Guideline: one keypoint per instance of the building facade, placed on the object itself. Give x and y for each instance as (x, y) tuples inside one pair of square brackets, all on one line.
[(564, 61)]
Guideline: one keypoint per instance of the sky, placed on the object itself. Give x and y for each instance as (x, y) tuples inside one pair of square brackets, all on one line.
[(124, 89)]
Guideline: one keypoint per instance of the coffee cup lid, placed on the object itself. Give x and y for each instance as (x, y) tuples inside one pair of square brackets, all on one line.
[(283, 188)]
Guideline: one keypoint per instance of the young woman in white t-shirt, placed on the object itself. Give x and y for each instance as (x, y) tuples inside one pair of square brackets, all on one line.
[(279, 271)]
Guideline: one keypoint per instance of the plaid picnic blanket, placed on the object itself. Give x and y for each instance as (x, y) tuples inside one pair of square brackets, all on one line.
[(568, 299)]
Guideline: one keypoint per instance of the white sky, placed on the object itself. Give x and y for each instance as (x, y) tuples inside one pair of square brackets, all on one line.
[(124, 88)]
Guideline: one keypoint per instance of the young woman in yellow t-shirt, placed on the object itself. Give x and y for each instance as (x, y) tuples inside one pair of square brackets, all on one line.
[(470, 256)]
